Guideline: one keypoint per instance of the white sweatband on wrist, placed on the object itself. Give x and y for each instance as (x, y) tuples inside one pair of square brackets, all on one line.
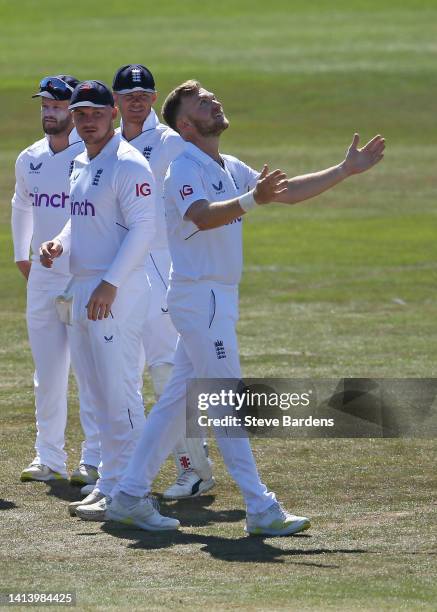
[(247, 201)]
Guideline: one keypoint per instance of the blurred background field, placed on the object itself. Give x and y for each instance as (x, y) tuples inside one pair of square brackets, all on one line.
[(342, 286)]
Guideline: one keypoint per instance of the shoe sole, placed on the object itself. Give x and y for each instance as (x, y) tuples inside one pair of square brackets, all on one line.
[(292, 529), (98, 517), (30, 478), (208, 485), (130, 522)]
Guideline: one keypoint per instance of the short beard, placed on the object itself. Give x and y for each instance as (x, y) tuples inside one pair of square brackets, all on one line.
[(212, 130), (61, 125)]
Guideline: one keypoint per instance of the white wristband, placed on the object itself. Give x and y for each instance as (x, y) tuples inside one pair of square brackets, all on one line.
[(247, 201)]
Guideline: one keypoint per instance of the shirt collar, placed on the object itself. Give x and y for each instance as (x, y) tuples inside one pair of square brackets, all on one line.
[(150, 123), (73, 138), (197, 153), (109, 147)]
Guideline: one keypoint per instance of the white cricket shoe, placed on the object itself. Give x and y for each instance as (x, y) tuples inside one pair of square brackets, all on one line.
[(37, 471), (87, 489), (275, 521), (188, 484), (92, 498), (84, 475), (139, 513), (94, 512)]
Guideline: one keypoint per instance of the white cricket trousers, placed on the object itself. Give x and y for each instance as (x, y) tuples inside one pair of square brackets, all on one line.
[(49, 344), (107, 354), (160, 336), (203, 313)]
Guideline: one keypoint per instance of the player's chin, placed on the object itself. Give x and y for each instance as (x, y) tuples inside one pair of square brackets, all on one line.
[(221, 126), (51, 128)]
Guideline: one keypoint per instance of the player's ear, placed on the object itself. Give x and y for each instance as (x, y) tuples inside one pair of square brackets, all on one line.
[(154, 97), (115, 95), (114, 112)]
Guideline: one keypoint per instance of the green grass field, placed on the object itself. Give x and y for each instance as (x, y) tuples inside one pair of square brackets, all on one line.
[(342, 286)]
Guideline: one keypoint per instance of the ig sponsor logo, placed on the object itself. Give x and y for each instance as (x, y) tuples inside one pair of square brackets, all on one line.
[(143, 190), (186, 191)]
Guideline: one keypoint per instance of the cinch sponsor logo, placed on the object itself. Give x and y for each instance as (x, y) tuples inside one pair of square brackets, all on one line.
[(186, 190), (84, 209), (143, 189), (57, 200)]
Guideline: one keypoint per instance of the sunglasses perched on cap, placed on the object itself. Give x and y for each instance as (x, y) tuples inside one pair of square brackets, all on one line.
[(59, 89)]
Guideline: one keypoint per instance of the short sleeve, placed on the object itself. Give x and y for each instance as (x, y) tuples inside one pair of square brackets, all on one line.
[(135, 189), (183, 184), (249, 176)]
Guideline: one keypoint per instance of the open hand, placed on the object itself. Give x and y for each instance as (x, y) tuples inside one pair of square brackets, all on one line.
[(270, 185), (360, 160)]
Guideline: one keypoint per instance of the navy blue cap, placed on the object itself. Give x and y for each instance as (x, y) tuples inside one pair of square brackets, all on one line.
[(91, 93), (133, 77)]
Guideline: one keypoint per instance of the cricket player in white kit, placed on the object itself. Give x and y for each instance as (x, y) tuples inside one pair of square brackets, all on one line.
[(135, 93), (206, 196), (40, 208), (112, 223)]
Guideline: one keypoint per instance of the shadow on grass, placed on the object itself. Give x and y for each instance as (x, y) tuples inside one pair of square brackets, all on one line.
[(62, 489), (196, 513), (245, 549), (7, 505)]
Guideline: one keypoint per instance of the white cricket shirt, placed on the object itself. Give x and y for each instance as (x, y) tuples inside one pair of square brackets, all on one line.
[(112, 222), (214, 254), (41, 202), (160, 145)]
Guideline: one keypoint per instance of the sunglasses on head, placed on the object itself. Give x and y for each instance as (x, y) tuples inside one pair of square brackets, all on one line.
[(58, 88)]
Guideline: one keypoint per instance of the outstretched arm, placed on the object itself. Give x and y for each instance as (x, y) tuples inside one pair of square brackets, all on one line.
[(208, 215), (308, 186)]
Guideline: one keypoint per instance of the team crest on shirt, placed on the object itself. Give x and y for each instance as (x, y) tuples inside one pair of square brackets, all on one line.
[(71, 168), (35, 169), (96, 178), (147, 151), (219, 188)]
